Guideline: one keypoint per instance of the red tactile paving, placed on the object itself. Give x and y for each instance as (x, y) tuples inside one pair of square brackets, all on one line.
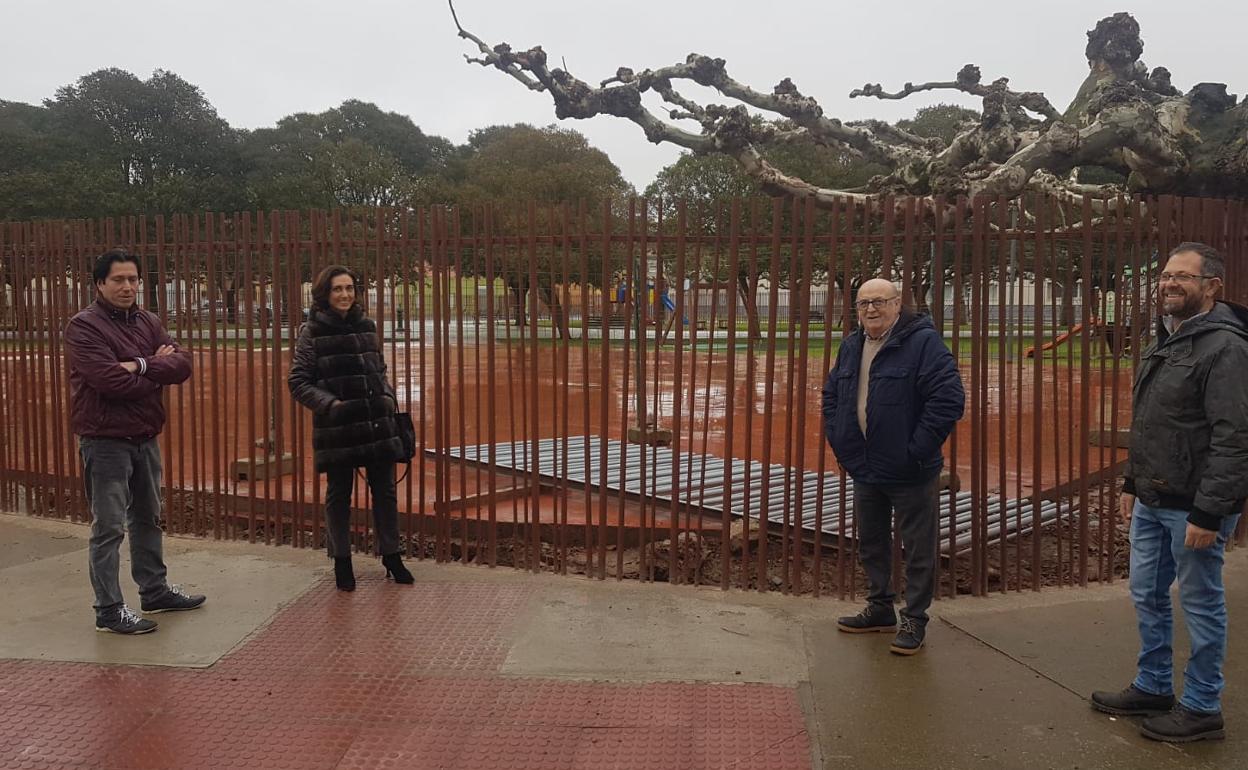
[(387, 677), (389, 630), (239, 741)]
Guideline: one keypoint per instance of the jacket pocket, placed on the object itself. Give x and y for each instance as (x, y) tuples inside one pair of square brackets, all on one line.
[(1183, 462), (846, 394), (1172, 379), (889, 386), (1169, 464)]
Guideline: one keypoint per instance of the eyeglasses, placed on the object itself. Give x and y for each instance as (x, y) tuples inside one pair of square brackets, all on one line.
[(1181, 277), (867, 304)]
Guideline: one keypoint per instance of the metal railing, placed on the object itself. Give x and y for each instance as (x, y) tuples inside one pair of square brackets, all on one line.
[(608, 393)]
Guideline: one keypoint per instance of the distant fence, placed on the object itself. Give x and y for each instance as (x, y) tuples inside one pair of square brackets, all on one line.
[(611, 393)]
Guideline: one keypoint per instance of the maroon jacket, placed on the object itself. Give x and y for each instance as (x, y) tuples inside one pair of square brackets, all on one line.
[(106, 401)]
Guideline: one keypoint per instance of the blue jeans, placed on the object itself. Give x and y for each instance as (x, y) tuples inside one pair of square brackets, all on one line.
[(1157, 556)]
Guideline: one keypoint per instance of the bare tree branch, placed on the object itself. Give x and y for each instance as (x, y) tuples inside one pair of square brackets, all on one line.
[(969, 81), (889, 132), (773, 181), (576, 99), (786, 101), (1124, 119), (492, 57)]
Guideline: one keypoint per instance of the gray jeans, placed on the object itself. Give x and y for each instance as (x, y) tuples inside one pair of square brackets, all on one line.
[(122, 480), (917, 507)]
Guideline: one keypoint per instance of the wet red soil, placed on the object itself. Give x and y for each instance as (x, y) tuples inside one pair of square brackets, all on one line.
[(748, 407)]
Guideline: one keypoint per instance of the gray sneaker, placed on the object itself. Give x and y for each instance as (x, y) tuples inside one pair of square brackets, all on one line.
[(124, 621), (173, 600)]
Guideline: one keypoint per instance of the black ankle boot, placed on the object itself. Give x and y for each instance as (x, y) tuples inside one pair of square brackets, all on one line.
[(395, 569), (344, 576)]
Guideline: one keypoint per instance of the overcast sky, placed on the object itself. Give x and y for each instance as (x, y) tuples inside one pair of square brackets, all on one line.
[(259, 60)]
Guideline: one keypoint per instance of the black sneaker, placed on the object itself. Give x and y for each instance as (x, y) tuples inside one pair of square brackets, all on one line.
[(1182, 725), (1132, 702), (124, 621), (910, 636), (874, 617), (174, 600)]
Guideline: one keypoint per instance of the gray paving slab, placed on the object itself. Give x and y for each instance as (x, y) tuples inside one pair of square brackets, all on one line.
[(959, 704), (594, 630), (17, 546), (47, 615), (1084, 645)]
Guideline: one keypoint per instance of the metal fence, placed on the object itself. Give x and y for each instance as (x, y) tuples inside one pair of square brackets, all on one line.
[(608, 393)]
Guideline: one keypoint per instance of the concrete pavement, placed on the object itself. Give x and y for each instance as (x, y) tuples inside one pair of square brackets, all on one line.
[(502, 668)]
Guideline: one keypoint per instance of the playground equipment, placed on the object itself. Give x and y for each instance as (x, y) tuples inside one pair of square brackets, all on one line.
[(1103, 330), (622, 296), (1058, 340), (1132, 287)]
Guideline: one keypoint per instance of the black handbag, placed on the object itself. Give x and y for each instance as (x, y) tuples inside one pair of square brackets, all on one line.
[(407, 435), (407, 440)]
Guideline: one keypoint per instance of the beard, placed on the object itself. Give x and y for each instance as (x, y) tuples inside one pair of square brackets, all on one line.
[(1183, 308)]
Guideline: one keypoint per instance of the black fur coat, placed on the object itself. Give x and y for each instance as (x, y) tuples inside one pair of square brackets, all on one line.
[(338, 372)]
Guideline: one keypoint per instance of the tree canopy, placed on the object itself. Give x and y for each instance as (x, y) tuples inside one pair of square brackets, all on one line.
[(548, 165), (113, 144)]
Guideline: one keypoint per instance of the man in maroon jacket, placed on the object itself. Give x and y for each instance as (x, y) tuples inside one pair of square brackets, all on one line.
[(120, 359)]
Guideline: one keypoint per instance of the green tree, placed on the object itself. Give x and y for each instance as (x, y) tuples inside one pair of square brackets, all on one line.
[(47, 172), (940, 121), (704, 181), (363, 174), (508, 166), (546, 165), (164, 143), (352, 155)]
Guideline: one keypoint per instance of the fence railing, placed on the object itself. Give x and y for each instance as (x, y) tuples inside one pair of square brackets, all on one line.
[(608, 393)]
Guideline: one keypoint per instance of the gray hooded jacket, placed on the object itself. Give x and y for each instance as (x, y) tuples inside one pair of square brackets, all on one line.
[(1189, 424)]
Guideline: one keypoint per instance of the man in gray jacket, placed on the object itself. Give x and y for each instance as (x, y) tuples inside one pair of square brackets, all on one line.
[(120, 359), (1184, 487)]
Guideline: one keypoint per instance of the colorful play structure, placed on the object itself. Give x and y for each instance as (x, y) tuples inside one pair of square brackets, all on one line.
[(669, 305)]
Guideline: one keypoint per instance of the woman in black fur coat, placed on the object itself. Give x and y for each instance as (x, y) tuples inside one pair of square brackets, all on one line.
[(338, 372)]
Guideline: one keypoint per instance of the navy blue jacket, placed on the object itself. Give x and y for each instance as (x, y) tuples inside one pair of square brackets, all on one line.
[(914, 399)]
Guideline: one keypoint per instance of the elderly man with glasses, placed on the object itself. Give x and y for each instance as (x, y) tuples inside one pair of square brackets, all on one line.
[(1183, 490), (889, 402)]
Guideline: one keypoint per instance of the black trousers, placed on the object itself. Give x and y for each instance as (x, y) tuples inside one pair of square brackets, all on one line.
[(917, 507), (339, 484)]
